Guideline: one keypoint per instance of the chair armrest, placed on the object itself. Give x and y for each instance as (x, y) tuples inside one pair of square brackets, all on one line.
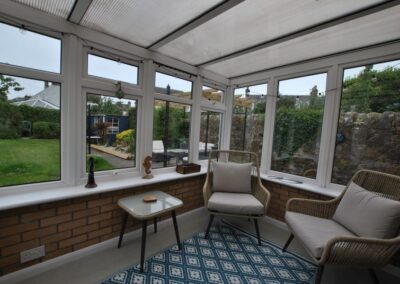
[(316, 208), (262, 194), (369, 252), (207, 190)]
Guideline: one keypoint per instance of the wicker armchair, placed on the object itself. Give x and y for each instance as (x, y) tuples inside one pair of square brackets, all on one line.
[(258, 192), (352, 250)]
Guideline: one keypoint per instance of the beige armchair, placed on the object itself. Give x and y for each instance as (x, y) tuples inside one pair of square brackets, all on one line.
[(233, 187), (360, 238)]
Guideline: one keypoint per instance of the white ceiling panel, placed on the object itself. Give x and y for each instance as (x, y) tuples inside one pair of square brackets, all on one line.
[(143, 22), (60, 8), (253, 22), (375, 28)]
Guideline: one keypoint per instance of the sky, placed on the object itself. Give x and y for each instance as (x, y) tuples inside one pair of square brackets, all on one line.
[(32, 50)]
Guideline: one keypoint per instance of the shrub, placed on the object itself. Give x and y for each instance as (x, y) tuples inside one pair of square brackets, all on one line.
[(126, 139), (46, 130), (33, 114), (10, 121)]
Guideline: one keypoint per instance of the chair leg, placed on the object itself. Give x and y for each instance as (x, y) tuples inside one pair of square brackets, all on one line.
[(257, 231), (209, 226), (290, 239), (373, 276), (143, 248), (155, 224), (318, 275)]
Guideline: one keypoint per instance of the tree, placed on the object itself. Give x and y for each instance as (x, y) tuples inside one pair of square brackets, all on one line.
[(372, 91), (7, 84)]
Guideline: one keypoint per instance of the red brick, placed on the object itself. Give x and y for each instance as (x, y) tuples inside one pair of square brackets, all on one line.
[(28, 217), (7, 221), (18, 228), (86, 213), (99, 202), (85, 229), (72, 225), (11, 259), (100, 217), (72, 241), (71, 208), (101, 232), (55, 220), (10, 240), (19, 247), (35, 234), (56, 237), (56, 253), (86, 244)]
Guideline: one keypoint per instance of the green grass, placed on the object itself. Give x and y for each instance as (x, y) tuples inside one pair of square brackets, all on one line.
[(100, 164), (29, 160)]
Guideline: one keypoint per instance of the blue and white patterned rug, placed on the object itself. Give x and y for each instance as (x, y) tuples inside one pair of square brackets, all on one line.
[(228, 256)]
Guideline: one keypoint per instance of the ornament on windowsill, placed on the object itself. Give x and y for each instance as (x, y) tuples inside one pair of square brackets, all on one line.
[(147, 167), (91, 183), (119, 93)]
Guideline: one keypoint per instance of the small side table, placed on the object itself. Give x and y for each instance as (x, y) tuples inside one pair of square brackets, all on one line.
[(140, 210)]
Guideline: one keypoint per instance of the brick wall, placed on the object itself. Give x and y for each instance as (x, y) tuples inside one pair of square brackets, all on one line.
[(280, 194), (69, 225)]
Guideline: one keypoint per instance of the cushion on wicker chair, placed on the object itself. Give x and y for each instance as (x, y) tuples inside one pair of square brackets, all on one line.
[(235, 203), (231, 177), (368, 214), (314, 232)]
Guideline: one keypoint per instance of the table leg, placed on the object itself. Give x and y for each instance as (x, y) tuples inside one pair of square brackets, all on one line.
[(155, 224), (121, 235), (176, 229), (144, 230)]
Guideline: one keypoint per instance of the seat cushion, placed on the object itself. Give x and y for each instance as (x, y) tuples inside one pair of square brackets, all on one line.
[(231, 177), (235, 203), (314, 232), (367, 214)]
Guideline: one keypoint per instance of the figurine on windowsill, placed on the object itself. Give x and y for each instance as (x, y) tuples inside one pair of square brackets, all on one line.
[(147, 167), (91, 183)]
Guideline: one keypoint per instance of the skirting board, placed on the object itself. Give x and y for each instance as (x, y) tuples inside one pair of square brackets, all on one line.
[(42, 267)]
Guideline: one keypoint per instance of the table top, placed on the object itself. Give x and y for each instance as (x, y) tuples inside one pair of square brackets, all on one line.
[(135, 206)]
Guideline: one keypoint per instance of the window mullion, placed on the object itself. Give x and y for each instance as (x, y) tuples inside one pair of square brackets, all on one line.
[(327, 143)]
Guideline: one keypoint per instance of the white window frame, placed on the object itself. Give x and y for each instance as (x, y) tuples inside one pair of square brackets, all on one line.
[(103, 175)]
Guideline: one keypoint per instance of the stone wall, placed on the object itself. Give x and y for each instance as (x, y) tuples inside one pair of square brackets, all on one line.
[(254, 132), (367, 141)]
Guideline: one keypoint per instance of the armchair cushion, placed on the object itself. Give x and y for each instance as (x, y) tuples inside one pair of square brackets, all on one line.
[(231, 177), (235, 203), (314, 232), (368, 214)]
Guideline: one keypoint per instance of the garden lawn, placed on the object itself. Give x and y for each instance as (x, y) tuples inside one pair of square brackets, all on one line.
[(29, 160)]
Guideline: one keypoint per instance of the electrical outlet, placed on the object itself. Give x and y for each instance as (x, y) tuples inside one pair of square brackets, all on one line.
[(32, 254)]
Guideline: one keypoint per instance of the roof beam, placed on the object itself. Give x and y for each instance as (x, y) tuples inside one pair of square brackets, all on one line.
[(79, 10), (203, 18), (324, 25)]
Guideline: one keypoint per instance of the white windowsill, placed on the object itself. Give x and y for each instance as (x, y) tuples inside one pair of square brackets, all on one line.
[(9, 200), (304, 186)]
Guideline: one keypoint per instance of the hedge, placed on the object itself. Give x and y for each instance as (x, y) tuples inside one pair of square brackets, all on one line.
[(10, 121), (46, 130)]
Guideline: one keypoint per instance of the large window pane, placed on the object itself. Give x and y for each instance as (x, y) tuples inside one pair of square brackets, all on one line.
[(248, 119), (29, 131), (111, 69), (210, 129), (28, 49), (298, 123), (171, 132), (368, 135), (212, 94), (111, 127), (173, 86)]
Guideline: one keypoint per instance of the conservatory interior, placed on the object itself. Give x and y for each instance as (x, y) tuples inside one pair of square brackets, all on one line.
[(209, 141)]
